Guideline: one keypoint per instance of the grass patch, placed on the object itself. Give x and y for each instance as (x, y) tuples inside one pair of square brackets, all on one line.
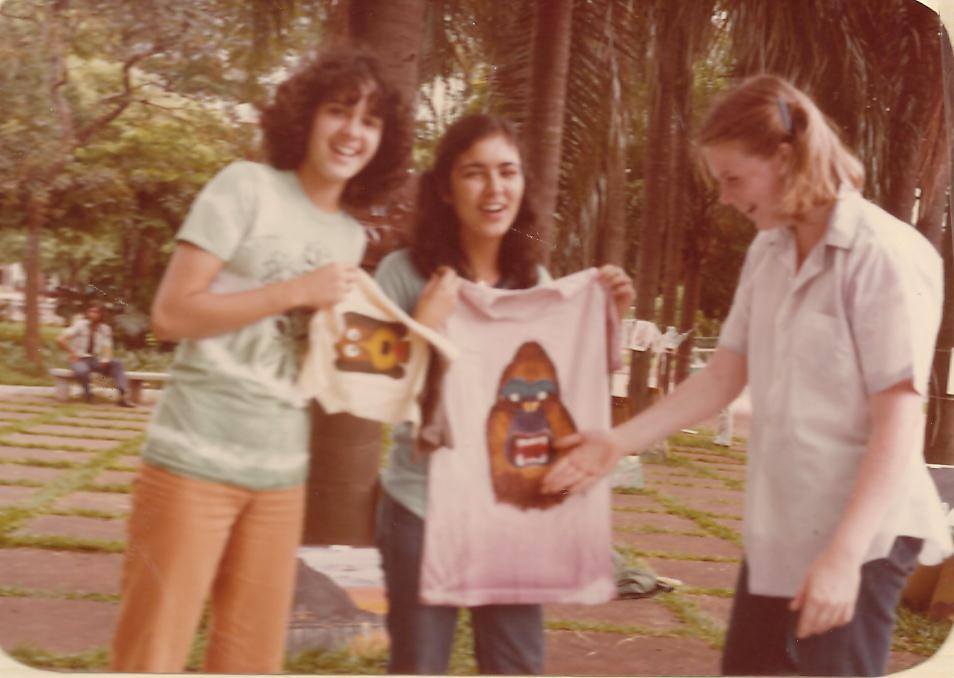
[(622, 629), (917, 634), (674, 555), (44, 463), (20, 482), (704, 442), (707, 591), (84, 513), (92, 660), (652, 529), (17, 592), (115, 488), (698, 623), (45, 446), (58, 542), (341, 662)]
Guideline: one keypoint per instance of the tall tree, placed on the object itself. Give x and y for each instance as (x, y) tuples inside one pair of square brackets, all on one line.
[(656, 181), (940, 426), (544, 131)]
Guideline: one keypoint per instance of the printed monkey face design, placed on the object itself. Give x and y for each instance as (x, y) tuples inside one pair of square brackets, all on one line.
[(522, 425), (373, 346)]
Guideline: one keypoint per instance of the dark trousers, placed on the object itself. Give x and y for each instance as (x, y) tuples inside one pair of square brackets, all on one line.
[(761, 637), (88, 364), (508, 639)]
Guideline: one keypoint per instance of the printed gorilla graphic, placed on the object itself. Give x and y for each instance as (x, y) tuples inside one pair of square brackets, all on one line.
[(373, 346), (522, 425)]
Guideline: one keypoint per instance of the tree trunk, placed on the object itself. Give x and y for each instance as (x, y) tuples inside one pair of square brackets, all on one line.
[(922, 92), (35, 217), (393, 30), (939, 435), (544, 129), (611, 246), (655, 186), (935, 179)]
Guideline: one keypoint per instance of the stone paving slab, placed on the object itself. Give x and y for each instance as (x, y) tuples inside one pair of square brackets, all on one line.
[(11, 494), (40, 454), (697, 572), (69, 431), (631, 612), (661, 472), (50, 570), (14, 416), (58, 441), (30, 407), (612, 654), (661, 521), (23, 472), (115, 502), (678, 543), (75, 527), (67, 626)]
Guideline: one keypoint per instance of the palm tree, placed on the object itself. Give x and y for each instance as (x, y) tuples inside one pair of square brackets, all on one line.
[(544, 129)]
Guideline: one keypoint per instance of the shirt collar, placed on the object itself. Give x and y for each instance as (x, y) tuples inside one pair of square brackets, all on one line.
[(843, 224)]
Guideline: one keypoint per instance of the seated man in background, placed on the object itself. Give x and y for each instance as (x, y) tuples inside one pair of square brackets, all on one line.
[(89, 343)]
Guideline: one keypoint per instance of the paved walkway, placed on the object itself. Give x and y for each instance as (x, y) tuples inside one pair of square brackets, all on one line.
[(65, 473)]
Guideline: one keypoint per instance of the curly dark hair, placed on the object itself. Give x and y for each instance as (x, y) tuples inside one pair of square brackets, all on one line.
[(340, 73), (436, 239)]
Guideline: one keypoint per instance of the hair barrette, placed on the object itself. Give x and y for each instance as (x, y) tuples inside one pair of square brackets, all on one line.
[(786, 114)]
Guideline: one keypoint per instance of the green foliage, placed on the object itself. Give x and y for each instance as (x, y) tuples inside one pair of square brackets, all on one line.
[(91, 660)]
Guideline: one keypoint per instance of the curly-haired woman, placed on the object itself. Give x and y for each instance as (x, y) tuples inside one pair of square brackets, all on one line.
[(218, 503)]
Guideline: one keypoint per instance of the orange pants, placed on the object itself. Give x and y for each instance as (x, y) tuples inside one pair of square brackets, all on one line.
[(189, 538)]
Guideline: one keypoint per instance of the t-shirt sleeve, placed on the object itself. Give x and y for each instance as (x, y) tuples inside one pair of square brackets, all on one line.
[(399, 280), (894, 307), (219, 218), (735, 330)]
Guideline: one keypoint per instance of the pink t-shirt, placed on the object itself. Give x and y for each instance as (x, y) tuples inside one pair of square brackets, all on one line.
[(534, 365)]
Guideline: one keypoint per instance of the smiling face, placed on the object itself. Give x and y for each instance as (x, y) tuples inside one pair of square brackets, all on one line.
[(486, 188), (749, 183), (345, 134)]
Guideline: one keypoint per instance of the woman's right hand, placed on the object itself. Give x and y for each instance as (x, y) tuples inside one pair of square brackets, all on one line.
[(589, 456), (438, 298), (325, 286)]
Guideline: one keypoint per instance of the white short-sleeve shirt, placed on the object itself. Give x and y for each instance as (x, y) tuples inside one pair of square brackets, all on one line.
[(860, 315)]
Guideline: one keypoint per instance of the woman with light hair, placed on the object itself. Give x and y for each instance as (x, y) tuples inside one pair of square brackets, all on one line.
[(832, 327)]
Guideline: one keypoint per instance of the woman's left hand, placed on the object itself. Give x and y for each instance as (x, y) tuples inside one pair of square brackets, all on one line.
[(828, 593), (619, 285)]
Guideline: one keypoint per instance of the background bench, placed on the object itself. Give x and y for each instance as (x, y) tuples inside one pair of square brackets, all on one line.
[(63, 378)]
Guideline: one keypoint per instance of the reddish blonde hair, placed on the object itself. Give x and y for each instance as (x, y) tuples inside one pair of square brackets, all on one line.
[(765, 111)]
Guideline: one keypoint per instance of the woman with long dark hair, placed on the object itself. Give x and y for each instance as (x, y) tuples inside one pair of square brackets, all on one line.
[(475, 222)]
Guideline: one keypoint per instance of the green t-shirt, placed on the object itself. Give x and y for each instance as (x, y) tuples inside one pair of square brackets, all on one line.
[(404, 477), (230, 412)]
